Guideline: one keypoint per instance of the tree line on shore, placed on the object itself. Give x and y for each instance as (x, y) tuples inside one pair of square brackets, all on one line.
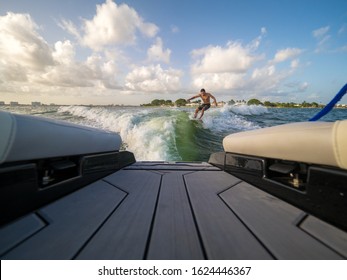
[(161, 102), (281, 104), (183, 102)]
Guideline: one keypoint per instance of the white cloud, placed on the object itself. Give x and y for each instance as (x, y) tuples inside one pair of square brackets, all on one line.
[(285, 54), (21, 46), (264, 79), (96, 71), (219, 81), (114, 24), (267, 71), (322, 36), (64, 52), (156, 52), (233, 58), (73, 75), (295, 63), (153, 79), (223, 68), (29, 64), (303, 86), (68, 26), (268, 81), (174, 29), (342, 29), (256, 42), (24, 54), (320, 32)]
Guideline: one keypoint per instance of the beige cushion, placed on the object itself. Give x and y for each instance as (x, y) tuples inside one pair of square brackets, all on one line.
[(312, 142)]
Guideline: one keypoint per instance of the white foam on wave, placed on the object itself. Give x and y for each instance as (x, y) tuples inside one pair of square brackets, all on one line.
[(150, 133), (246, 109), (148, 137), (231, 118)]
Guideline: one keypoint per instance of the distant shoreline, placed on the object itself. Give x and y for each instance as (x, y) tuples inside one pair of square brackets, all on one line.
[(168, 106)]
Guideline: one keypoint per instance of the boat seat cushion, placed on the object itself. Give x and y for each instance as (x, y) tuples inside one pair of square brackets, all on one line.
[(25, 137), (322, 143)]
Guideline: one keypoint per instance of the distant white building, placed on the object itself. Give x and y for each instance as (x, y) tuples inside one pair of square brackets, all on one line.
[(35, 103)]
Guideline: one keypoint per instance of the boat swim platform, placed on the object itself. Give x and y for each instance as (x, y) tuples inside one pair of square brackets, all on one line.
[(170, 210)]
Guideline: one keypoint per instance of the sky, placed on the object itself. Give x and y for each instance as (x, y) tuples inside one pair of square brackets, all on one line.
[(133, 51)]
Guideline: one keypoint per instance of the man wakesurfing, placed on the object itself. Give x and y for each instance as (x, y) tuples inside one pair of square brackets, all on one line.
[(206, 104)]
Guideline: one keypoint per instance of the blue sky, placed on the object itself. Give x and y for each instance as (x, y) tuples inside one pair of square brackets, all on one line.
[(133, 51)]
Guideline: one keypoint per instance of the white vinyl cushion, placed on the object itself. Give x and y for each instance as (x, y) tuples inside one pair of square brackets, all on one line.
[(25, 137), (311, 142)]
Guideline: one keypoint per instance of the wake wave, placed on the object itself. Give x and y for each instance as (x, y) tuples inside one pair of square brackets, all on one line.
[(166, 133), (169, 134), (232, 118), (246, 110), (148, 137)]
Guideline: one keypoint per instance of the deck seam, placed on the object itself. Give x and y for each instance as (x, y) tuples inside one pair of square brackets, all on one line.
[(102, 223), (204, 252), (228, 188), (150, 233), (115, 186), (243, 223), (45, 222), (300, 219), (173, 169), (303, 217)]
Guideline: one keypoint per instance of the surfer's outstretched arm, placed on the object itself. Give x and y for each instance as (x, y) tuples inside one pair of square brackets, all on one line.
[(195, 96)]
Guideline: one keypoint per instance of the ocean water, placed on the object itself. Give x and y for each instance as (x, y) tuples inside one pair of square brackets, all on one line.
[(171, 134)]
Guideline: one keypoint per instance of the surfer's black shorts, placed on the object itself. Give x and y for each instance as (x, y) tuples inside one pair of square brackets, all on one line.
[(204, 106)]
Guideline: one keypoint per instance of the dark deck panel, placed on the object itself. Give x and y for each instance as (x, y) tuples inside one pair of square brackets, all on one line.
[(181, 166), (174, 234), (161, 210), (19, 231), (275, 223), (125, 234), (329, 235), (71, 221), (223, 234)]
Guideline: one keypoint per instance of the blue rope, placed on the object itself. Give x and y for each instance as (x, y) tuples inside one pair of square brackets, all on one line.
[(330, 105)]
